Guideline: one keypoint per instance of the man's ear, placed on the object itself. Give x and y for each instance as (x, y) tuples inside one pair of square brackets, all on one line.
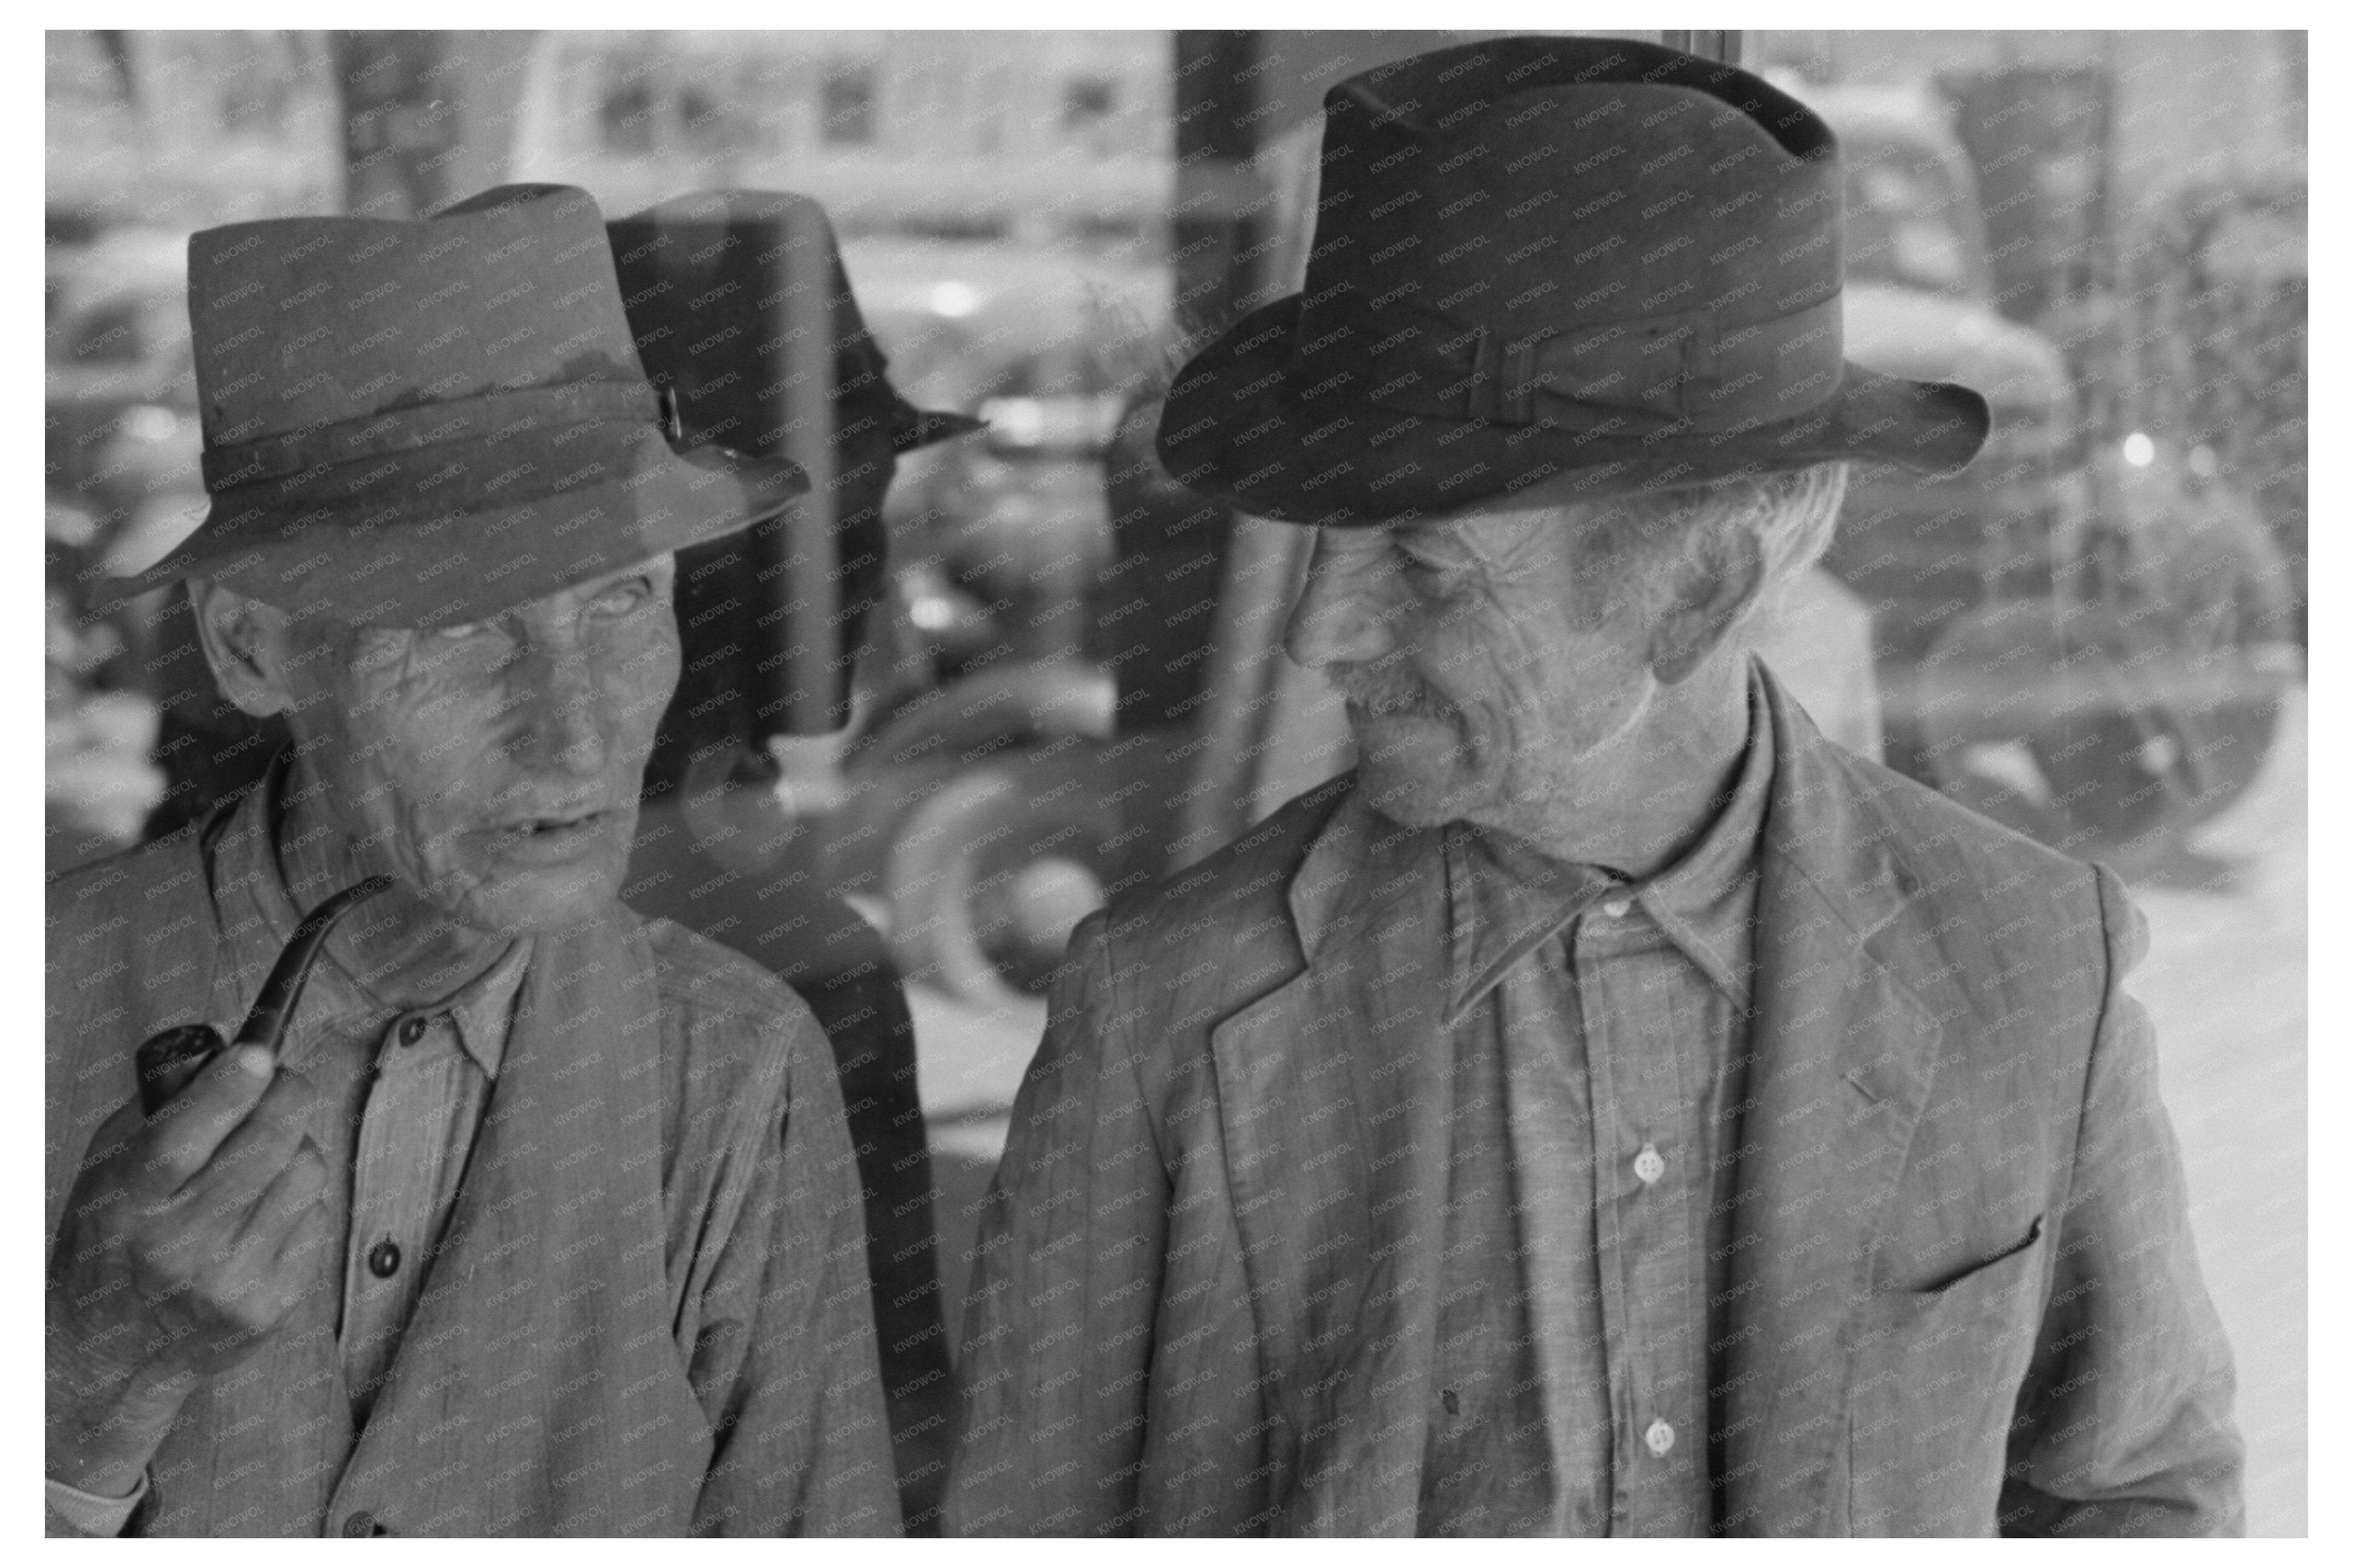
[(1714, 587), (247, 644)]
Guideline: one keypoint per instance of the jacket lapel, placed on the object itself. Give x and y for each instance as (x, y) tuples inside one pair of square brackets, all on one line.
[(1842, 1057), (1333, 1102)]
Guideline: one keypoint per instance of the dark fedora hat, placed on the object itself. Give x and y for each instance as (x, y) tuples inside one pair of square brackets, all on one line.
[(421, 422), (1590, 263), (697, 270)]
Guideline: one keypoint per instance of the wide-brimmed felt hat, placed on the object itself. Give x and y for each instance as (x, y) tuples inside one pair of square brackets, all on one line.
[(1589, 265), (413, 423), (699, 270)]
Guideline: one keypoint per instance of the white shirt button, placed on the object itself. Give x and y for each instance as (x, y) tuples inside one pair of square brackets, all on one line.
[(1659, 1436), (1616, 908), (1650, 1165)]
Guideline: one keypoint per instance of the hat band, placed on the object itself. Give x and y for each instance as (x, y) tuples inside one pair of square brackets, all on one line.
[(448, 479), (1684, 370), (397, 431)]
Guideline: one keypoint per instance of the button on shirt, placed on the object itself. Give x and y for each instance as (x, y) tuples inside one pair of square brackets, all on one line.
[(413, 1098), (1599, 1032), (401, 1097)]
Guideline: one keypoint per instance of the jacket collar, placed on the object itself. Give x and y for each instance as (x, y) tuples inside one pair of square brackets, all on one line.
[(1360, 864)]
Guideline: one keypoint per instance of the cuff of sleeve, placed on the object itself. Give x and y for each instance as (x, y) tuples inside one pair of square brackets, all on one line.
[(87, 1513)]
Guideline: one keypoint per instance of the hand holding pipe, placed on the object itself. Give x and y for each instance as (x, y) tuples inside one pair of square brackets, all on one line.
[(167, 1061)]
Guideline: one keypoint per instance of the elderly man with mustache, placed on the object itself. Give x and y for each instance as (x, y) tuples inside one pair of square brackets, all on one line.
[(542, 1218), (1612, 1109)]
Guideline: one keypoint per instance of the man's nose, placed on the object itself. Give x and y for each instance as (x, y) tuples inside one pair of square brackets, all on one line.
[(1342, 615), (563, 718)]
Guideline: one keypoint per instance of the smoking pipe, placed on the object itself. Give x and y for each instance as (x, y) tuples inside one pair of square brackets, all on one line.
[(167, 1061)]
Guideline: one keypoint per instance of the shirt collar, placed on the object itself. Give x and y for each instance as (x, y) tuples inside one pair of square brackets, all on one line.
[(1507, 899), (258, 919), (483, 1009)]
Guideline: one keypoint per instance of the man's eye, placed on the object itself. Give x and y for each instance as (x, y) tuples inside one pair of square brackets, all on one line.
[(461, 630), (1420, 565), (622, 597)]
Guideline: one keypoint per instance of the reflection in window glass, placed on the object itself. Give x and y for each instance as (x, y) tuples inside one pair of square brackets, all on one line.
[(626, 116), (848, 105), (2094, 635)]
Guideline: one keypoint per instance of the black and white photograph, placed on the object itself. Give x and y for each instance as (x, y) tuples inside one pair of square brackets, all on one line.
[(1008, 781)]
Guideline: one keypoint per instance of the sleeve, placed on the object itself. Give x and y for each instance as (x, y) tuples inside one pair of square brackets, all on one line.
[(785, 1360), (2124, 1425), (1066, 1283), (74, 1512)]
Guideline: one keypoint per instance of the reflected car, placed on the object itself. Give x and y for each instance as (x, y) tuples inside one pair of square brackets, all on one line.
[(971, 813), (998, 537), (2067, 638)]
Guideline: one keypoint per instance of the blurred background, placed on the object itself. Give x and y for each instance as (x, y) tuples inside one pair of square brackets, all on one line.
[(1067, 679)]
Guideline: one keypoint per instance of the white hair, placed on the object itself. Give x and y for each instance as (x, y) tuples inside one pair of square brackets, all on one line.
[(1635, 542)]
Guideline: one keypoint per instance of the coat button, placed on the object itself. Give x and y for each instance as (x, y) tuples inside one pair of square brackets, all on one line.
[(384, 1260), (1650, 1165), (1659, 1436), (412, 1030), (361, 1523)]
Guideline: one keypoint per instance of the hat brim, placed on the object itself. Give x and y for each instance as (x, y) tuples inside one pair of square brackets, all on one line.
[(923, 427), (1235, 429), (391, 564)]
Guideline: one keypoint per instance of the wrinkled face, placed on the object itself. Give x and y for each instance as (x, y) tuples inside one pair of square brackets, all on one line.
[(1483, 671), (494, 767)]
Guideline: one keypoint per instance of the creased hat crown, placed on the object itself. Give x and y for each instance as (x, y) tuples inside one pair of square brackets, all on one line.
[(415, 422), (305, 323), (1592, 261), (1639, 230)]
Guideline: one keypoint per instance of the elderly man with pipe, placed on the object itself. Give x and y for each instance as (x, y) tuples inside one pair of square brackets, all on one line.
[(527, 1216), (768, 639), (1613, 1108)]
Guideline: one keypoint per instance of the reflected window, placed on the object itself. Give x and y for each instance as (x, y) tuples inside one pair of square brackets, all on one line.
[(702, 117), (108, 335), (626, 117), (1904, 219), (1087, 100), (848, 106)]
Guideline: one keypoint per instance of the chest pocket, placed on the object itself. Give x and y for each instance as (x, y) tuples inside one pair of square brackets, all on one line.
[(1937, 1373)]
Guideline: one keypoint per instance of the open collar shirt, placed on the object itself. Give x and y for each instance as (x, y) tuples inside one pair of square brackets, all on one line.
[(1599, 1031)]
